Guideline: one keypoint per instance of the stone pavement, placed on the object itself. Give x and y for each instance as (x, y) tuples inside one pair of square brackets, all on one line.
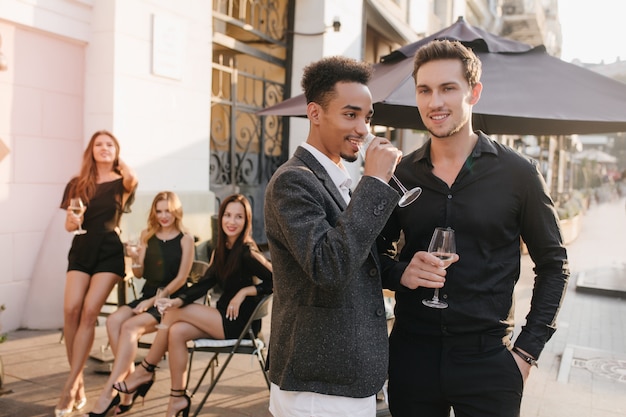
[(582, 371)]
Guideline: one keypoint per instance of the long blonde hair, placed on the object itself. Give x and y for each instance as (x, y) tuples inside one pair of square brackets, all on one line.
[(173, 205), (85, 184)]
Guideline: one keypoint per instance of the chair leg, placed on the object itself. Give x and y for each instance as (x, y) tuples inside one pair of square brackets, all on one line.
[(189, 370), (131, 284), (213, 363), (261, 359), (213, 384)]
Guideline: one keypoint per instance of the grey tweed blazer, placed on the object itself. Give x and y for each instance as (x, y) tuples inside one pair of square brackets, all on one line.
[(329, 332)]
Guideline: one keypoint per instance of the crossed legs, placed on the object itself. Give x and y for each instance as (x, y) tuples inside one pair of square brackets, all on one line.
[(83, 300), (207, 322), (124, 329)]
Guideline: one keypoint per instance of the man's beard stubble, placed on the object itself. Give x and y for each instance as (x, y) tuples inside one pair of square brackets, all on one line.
[(451, 132)]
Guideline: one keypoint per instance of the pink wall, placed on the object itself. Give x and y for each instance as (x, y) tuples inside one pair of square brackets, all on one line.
[(41, 122)]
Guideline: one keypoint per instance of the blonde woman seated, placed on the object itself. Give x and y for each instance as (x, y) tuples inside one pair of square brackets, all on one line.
[(164, 259), (235, 262)]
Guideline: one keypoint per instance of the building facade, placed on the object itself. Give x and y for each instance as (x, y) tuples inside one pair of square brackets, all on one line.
[(179, 84)]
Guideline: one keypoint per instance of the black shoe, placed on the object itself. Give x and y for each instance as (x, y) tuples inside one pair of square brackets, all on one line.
[(182, 393), (115, 401), (141, 390)]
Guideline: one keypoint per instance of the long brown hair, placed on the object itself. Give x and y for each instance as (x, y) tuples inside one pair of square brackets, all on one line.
[(173, 205), (224, 264), (445, 49), (85, 184)]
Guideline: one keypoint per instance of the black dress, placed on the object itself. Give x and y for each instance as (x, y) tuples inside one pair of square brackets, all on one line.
[(252, 264), (100, 249), (160, 266)]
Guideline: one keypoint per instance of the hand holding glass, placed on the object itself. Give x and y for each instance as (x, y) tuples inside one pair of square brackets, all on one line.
[(133, 251), (443, 246), (408, 196), (162, 302), (77, 208)]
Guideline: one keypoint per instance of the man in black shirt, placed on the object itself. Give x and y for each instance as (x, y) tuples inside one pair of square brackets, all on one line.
[(462, 357)]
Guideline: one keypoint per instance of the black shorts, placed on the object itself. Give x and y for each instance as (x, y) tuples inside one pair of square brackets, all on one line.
[(153, 311), (94, 252)]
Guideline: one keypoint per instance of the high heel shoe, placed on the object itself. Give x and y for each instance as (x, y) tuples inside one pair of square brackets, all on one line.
[(141, 390), (115, 401), (124, 408), (63, 412), (177, 393), (80, 404)]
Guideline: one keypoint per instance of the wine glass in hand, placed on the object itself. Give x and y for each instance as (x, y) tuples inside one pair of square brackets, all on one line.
[(132, 246), (77, 207), (408, 196), (162, 302), (443, 246)]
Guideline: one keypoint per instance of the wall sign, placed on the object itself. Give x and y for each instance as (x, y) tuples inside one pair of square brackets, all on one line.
[(169, 41)]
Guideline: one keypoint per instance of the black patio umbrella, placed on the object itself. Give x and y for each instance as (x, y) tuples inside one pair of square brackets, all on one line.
[(526, 91)]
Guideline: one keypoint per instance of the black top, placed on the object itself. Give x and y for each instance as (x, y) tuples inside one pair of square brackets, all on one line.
[(252, 264), (100, 249), (161, 263), (104, 210), (498, 196)]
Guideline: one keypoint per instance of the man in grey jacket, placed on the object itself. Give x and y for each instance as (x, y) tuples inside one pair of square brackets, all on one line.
[(329, 352)]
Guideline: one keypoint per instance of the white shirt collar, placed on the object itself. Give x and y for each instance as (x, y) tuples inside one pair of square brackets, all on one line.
[(337, 172)]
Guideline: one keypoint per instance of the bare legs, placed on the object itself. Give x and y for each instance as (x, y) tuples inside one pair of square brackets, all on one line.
[(124, 329), (202, 317), (180, 332), (84, 298), (157, 350), (207, 322)]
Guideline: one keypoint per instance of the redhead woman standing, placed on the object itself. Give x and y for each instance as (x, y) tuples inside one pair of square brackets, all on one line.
[(96, 258)]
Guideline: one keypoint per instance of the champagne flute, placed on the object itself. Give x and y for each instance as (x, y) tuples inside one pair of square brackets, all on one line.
[(162, 302), (443, 246), (78, 208), (133, 251), (408, 196)]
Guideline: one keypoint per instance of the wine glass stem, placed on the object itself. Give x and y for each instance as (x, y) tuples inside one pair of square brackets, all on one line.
[(397, 181), (436, 295)]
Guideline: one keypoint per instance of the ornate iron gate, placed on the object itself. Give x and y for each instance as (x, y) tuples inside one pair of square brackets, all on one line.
[(249, 74)]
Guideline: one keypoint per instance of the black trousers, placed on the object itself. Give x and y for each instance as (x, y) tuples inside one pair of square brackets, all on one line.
[(476, 375)]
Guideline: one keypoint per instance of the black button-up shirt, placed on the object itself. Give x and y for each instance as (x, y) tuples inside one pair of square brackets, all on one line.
[(498, 197)]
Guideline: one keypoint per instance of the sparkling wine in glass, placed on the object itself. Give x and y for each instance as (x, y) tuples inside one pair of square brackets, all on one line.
[(132, 246), (162, 303), (77, 207), (443, 246), (408, 196)]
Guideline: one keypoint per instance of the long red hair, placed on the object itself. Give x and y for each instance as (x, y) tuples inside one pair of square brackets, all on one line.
[(85, 184)]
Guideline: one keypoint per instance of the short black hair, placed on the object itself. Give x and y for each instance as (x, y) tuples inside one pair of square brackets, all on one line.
[(320, 77)]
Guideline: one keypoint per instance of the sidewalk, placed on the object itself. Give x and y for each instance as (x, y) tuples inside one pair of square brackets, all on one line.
[(582, 371), (35, 367)]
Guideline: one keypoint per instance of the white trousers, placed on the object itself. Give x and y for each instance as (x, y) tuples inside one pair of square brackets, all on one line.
[(311, 404)]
